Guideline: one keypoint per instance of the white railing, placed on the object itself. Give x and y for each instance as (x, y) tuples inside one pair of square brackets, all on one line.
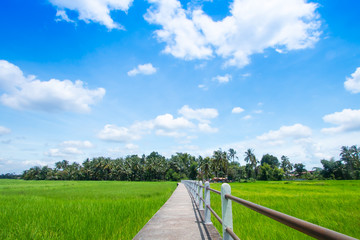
[(195, 188)]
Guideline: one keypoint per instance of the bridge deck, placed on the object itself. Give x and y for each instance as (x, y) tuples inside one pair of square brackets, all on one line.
[(178, 218)]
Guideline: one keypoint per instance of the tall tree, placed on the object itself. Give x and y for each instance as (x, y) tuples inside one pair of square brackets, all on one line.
[(220, 163), (271, 160), (299, 169), (286, 165), (251, 160), (232, 154)]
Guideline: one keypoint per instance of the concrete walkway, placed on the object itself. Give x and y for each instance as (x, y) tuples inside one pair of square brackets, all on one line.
[(178, 218)]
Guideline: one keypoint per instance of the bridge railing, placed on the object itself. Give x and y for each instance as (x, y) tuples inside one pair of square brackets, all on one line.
[(196, 190)]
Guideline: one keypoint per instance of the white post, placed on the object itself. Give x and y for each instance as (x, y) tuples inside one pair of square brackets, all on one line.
[(192, 189), (201, 205), (207, 203), (226, 211), (197, 192)]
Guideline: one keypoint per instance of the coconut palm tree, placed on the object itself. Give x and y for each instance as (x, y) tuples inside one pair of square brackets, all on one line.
[(251, 159), (232, 154)]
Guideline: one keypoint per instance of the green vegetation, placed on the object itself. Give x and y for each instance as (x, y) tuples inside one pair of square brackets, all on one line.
[(185, 166), (78, 210), (330, 204)]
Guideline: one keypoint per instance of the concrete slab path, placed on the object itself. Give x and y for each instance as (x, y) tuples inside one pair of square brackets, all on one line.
[(178, 218)]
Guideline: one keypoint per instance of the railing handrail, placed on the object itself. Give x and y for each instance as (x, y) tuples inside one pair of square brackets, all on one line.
[(308, 228)]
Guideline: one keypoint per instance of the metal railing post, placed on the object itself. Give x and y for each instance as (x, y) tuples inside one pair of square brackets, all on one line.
[(197, 193), (192, 189), (226, 209), (201, 205), (207, 203)]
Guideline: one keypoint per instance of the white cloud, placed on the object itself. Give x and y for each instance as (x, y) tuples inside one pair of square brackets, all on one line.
[(352, 83), (69, 148), (222, 79), (146, 69), (112, 132), (163, 125), (62, 16), (4, 130), (258, 111), (167, 121), (247, 117), (78, 144), (251, 27), (205, 127), (182, 37), (347, 120), (175, 134), (34, 163), (63, 152), (203, 86), (131, 146), (54, 95), (201, 114), (237, 110), (93, 10), (296, 131), (245, 75)]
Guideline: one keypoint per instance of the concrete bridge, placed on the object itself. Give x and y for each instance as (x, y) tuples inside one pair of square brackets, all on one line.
[(179, 218), (182, 217)]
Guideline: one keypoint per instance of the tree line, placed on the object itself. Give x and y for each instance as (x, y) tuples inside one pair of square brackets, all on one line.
[(222, 164)]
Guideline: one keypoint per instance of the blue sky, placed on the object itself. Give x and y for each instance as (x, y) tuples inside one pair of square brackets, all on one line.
[(89, 78)]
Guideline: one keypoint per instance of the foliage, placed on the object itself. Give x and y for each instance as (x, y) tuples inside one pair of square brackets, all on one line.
[(271, 160), (156, 167)]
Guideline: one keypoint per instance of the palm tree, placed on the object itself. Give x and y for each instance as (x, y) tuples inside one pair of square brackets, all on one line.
[(232, 154), (205, 166), (251, 159), (220, 162)]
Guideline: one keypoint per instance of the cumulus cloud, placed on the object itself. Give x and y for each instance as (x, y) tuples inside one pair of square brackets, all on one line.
[(69, 148), (174, 134), (167, 121), (27, 92), (63, 152), (247, 117), (131, 146), (251, 27), (62, 16), (347, 120), (296, 131), (78, 144), (205, 127), (92, 10), (201, 114), (183, 38), (352, 83), (4, 130), (237, 110), (163, 125), (222, 79), (112, 132), (146, 69)]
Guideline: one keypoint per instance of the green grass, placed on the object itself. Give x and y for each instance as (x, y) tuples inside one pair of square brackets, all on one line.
[(78, 210), (331, 204)]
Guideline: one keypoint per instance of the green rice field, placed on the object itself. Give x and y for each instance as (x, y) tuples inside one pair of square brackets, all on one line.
[(78, 210), (331, 204)]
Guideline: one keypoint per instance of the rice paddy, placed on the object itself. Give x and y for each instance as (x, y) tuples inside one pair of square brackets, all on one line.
[(331, 204), (78, 210)]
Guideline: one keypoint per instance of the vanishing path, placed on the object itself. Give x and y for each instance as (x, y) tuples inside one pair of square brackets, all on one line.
[(178, 218)]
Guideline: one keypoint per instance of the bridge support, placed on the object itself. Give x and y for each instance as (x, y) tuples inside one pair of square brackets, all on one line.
[(207, 203), (226, 209)]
